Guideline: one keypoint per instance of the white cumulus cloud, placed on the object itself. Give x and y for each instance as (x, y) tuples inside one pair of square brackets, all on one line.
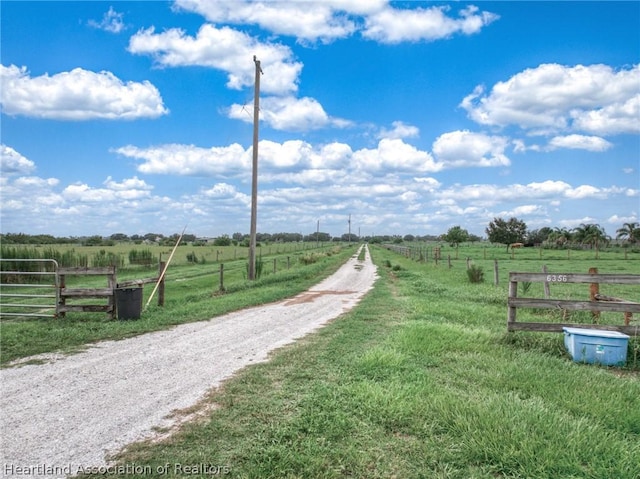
[(308, 21), (399, 130), (12, 162), (187, 160), (549, 98), (224, 49), (289, 113), (579, 142), (396, 155), (463, 148), (77, 95), (393, 25), (330, 20), (585, 191)]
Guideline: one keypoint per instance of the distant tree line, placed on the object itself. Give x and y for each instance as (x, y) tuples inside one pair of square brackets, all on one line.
[(238, 239), (513, 230), (500, 230)]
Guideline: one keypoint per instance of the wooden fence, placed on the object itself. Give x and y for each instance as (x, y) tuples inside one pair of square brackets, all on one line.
[(597, 303), (106, 294)]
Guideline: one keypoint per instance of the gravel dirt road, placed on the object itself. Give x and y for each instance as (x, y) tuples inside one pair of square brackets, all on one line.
[(70, 413)]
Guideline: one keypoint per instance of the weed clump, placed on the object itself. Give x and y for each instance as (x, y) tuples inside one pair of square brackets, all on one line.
[(475, 274), (309, 258)]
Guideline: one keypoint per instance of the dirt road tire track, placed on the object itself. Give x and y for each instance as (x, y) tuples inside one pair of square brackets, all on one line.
[(75, 411)]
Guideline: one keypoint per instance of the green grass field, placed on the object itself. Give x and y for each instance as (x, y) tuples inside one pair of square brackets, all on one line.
[(421, 380)]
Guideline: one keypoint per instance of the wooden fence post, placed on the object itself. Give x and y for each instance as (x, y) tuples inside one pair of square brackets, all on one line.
[(221, 277), (547, 293), (161, 287), (496, 280), (112, 284), (288, 262), (62, 301), (594, 289), (449, 260), (513, 293), (274, 265)]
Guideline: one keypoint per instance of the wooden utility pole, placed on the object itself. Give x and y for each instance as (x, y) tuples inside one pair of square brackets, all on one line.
[(349, 229), (254, 177)]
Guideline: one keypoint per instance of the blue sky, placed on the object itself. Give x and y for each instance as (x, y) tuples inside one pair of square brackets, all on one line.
[(412, 117)]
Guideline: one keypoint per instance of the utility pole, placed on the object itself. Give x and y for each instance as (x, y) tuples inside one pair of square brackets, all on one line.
[(318, 234), (254, 177), (349, 229)]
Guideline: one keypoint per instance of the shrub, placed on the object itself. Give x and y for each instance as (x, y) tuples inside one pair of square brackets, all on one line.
[(103, 259), (309, 258), (223, 240), (475, 274), (144, 257)]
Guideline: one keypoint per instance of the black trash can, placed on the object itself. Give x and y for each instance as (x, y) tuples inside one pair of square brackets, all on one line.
[(129, 303)]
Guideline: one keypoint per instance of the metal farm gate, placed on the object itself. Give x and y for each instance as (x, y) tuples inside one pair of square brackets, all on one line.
[(29, 288)]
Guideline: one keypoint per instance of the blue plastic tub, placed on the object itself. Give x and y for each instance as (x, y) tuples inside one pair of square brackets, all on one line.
[(596, 346)]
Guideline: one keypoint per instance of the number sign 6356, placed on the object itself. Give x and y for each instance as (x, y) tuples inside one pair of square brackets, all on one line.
[(557, 278)]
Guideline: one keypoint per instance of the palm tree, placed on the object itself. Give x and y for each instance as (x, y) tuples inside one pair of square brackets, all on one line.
[(591, 234), (560, 236), (629, 232)]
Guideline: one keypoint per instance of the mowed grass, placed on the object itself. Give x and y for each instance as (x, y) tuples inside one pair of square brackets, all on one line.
[(419, 381)]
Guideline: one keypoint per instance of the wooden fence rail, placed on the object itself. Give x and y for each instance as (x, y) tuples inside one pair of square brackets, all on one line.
[(106, 293), (61, 295), (596, 306)]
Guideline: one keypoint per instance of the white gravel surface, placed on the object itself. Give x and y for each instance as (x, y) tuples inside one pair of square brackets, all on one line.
[(72, 412)]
